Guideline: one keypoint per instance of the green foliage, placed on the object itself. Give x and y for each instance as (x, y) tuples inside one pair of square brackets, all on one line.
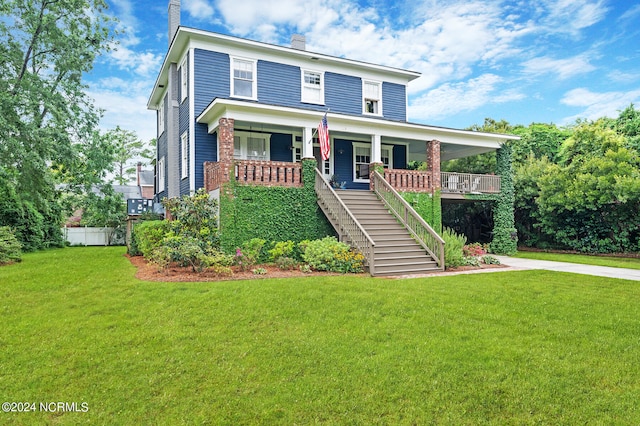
[(149, 235), (259, 271), (487, 259), (195, 216), (328, 254), (539, 140), (428, 206), (505, 239), (10, 247), (128, 147), (286, 263), (271, 213), (281, 249), (250, 253), (47, 122), (454, 243)]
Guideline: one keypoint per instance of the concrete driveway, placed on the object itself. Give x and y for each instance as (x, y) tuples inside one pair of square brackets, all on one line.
[(575, 268)]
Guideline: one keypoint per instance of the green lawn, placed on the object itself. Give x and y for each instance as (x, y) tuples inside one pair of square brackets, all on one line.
[(527, 347), (583, 259)]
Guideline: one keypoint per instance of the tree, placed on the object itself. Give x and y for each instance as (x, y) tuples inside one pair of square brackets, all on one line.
[(47, 122), (128, 151)]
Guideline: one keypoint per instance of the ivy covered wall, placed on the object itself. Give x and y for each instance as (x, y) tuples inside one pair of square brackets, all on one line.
[(271, 213), (428, 206), (505, 239)]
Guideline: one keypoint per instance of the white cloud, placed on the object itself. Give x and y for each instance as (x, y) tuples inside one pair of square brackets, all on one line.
[(572, 16), (124, 104), (563, 68), (596, 105), (452, 98), (198, 9), (144, 64)]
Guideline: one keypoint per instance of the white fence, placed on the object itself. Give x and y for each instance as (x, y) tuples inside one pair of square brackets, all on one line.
[(88, 236)]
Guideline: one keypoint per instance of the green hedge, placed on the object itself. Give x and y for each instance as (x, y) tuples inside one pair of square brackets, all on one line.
[(427, 206), (271, 213), (504, 230)]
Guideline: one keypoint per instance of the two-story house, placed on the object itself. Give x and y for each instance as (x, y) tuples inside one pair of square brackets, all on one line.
[(232, 111)]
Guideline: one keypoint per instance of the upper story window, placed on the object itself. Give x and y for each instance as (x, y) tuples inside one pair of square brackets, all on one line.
[(312, 87), (372, 97), (161, 117), (184, 80), (243, 78)]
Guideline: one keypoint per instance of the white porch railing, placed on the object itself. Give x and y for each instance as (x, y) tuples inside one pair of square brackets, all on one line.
[(469, 183)]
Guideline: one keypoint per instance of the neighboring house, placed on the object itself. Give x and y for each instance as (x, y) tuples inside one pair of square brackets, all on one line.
[(145, 181), (236, 115)]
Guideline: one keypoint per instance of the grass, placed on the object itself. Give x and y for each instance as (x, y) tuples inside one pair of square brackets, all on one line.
[(526, 347), (583, 259)]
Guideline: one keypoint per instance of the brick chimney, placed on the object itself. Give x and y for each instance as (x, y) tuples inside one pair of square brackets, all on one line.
[(174, 18)]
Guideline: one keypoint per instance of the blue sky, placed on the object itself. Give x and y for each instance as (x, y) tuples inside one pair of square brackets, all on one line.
[(550, 61)]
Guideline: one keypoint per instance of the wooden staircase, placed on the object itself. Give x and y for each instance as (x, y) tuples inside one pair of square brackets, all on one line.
[(395, 252)]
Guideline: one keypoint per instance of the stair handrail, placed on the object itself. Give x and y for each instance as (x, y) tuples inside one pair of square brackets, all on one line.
[(346, 221), (415, 224)]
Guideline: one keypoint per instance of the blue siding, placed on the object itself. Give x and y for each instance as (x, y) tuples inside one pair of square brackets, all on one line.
[(399, 157), (206, 150), (343, 93), (279, 84), (394, 102), (212, 78), (162, 152), (280, 147)]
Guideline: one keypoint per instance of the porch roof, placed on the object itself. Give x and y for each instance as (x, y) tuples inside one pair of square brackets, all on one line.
[(455, 143)]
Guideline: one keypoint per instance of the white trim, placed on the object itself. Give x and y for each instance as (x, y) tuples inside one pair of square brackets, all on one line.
[(161, 116), (192, 124), (254, 79), (390, 148), (377, 99), (161, 175), (304, 85), (184, 155), (184, 79)]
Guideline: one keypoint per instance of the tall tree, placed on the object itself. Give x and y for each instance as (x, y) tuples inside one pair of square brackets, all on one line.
[(47, 121), (129, 150)]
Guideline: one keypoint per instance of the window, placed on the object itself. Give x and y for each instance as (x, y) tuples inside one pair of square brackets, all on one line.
[(296, 151), (243, 78), (160, 175), (161, 117), (372, 103), (312, 87), (386, 155), (184, 87), (251, 146), (184, 149), (361, 161), (323, 165)]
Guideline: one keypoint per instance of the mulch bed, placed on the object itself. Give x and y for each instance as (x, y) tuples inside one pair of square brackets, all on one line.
[(149, 272)]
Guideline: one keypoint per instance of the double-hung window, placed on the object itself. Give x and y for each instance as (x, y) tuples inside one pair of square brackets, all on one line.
[(243, 78), (184, 149), (372, 97), (361, 161), (312, 87)]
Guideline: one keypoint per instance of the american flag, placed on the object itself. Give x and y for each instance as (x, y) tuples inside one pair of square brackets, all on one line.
[(323, 136)]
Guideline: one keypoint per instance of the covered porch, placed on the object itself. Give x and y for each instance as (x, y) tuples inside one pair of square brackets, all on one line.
[(264, 145)]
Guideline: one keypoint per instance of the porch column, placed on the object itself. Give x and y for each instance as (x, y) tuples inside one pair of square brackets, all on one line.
[(376, 149), (225, 147), (433, 163), (307, 142)]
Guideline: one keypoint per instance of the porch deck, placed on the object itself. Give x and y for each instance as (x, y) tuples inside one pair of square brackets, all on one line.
[(289, 174)]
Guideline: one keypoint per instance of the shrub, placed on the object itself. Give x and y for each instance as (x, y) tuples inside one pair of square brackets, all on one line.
[(453, 248), (250, 253), (328, 254), (10, 247), (150, 235), (259, 271), (195, 216), (471, 261), (286, 263), (281, 249), (475, 250), (490, 260)]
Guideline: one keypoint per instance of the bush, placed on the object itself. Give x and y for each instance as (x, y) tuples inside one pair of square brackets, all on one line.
[(10, 247), (490, 260), (328, 254), (282, 249), (454, 243), (286, 263), (149, 235), (250, 253), (475, 250)]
